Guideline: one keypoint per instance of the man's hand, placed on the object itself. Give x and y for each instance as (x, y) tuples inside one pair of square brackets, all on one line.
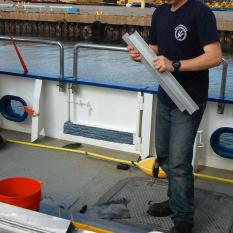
[(134, 54), (163, 64)]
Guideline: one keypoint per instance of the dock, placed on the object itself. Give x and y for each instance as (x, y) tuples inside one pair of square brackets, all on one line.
[(116, 20)]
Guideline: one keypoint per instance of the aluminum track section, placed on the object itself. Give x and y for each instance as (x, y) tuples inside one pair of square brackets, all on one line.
[(166, 80), (16, 220)]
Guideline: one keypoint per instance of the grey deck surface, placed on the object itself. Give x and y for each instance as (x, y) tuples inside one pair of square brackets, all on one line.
[(66, 174)]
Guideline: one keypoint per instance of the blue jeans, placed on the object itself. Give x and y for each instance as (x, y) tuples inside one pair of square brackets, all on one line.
[(175, 136)]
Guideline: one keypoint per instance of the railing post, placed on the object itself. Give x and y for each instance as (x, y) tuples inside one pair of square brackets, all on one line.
[(221, 105), (47, 42), (75, 67), (61, 84), (89, 46)]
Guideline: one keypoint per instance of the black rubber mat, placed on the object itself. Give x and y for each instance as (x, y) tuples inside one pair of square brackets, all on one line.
[(214, 211)]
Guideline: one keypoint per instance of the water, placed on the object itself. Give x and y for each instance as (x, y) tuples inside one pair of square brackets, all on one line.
[(226, 141), (107, 66)]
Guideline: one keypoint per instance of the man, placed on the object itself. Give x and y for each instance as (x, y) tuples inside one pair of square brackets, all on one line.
[(184, 35)]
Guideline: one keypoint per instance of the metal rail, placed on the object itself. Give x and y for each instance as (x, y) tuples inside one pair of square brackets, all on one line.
[(91, 46), (47, 42), (223, 86)]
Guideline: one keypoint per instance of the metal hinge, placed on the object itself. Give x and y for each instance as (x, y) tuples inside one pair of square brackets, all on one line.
[(137, 142), (141, 101)]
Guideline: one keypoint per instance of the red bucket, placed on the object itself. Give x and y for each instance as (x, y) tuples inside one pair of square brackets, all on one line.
[(21, 191)]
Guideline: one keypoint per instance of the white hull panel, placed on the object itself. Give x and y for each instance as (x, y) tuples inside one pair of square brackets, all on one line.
[(105, 108)]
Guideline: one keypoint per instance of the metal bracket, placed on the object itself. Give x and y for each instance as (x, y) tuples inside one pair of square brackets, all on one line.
[(221, 107), (74, 88), (61, 86)]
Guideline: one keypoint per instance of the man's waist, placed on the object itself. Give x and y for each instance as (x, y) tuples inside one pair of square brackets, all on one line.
[(197, 96)]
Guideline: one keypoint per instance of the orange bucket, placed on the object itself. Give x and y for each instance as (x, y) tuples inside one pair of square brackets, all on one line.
[(21, 191)]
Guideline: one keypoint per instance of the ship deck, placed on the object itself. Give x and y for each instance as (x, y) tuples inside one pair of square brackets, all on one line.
[(78, 180)]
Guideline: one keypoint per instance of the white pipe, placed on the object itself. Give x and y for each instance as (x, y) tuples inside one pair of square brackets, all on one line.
[(68, 101)]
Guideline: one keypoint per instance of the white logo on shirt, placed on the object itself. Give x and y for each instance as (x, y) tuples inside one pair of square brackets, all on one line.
[(181, 32)]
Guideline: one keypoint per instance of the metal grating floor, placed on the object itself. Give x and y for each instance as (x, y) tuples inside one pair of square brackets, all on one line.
[(214, 211)]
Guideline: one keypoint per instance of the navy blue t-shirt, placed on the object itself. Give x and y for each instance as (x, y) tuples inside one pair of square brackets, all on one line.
[(181, 35)]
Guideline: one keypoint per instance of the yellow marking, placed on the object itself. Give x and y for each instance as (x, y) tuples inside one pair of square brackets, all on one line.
[(89, 228), (73, 150), (213, 178)]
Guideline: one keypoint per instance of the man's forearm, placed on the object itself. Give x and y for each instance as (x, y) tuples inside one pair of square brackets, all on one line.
[(211, 58)]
